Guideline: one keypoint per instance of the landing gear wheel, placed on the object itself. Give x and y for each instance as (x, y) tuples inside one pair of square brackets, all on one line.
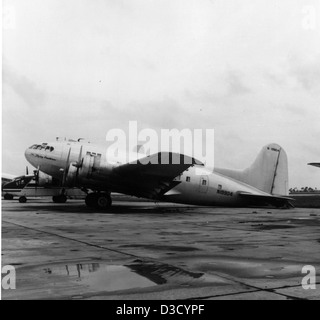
[(90, 200), (22, 199), (103, 201), (59, 199), (98, 200), (8, 196)]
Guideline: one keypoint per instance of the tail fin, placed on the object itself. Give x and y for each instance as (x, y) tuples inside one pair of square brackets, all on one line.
[(268, 173)]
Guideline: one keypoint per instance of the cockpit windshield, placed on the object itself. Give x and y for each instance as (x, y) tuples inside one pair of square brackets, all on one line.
[(43, 146)]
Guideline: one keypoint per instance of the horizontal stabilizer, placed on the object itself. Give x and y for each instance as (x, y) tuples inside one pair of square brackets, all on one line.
[(315, 164), (257, 199)]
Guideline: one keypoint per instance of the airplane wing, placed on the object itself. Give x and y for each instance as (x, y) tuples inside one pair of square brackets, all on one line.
[(152, 176), (257, 199), (18, 182), (315, 164), (6, 177)]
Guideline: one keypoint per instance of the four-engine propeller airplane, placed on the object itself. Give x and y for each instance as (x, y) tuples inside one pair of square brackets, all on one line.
[(181, 179)]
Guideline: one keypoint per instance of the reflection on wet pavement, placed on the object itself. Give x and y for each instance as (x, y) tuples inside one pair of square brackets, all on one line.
[(100, 277), (137, 274), (163, 273)]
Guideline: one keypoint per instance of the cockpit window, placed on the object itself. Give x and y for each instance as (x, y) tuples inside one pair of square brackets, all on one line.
[(42, 147)]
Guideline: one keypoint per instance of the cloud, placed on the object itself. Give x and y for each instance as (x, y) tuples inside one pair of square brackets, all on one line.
[(236, 85), (26, 89), (307, 73), (248, 70)]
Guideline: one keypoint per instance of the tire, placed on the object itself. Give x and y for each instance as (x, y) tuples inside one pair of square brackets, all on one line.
[(8, 196), (22, 199), (90, 200), (62, 199), (59, 199), (103, 201)]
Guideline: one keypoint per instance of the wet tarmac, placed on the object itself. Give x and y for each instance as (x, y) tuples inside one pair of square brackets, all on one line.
[(143, 250)]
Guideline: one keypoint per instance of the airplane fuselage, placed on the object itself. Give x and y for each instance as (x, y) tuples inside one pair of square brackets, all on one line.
[(87, 166)]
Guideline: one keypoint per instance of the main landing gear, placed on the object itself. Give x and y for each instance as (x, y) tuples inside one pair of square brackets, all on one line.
[(59, 199), (99, 200)]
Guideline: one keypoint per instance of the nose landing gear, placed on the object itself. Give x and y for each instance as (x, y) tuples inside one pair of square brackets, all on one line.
[(59, 199), (22, 199), (99, 200)]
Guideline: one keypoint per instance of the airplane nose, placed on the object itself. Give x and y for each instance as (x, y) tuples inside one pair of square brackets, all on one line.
[(27, 154)]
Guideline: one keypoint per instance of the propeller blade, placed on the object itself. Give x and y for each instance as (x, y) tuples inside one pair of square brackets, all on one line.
[(36, 176), (79, 163), (65, 172)]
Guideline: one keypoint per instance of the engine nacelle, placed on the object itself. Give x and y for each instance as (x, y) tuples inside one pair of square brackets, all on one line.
[(44, 180), (92, 167), (71, 177)]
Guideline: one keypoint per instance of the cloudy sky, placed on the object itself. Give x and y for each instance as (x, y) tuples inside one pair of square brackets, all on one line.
[(248, 69)]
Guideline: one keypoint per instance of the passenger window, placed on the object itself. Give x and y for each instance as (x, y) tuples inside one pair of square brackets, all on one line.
[(39, 147), (188, 179), (47, 148)]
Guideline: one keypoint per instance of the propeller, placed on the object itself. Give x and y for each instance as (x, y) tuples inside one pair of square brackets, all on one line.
[(65, 171), (36, 176), (79, 163)]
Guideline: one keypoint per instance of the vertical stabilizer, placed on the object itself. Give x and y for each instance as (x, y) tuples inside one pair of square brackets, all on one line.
[(268, 173)]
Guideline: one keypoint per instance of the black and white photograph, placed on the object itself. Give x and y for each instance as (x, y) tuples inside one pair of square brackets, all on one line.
[(160, 150)]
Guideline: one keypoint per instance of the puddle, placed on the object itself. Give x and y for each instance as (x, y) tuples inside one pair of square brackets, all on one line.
[(272, 227), (161, 247), (163, 273), (109, 278), (99, 277), (253, 269)]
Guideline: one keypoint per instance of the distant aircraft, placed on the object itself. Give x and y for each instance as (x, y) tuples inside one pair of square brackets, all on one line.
[(315, 164), (6, 177), (11, 183), (38, 184), (86, 166)]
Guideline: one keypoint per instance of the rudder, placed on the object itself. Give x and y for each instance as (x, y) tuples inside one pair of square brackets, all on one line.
[(269, 172)]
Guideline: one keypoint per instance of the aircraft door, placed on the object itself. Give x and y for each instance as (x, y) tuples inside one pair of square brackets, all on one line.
[(204, 184)]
